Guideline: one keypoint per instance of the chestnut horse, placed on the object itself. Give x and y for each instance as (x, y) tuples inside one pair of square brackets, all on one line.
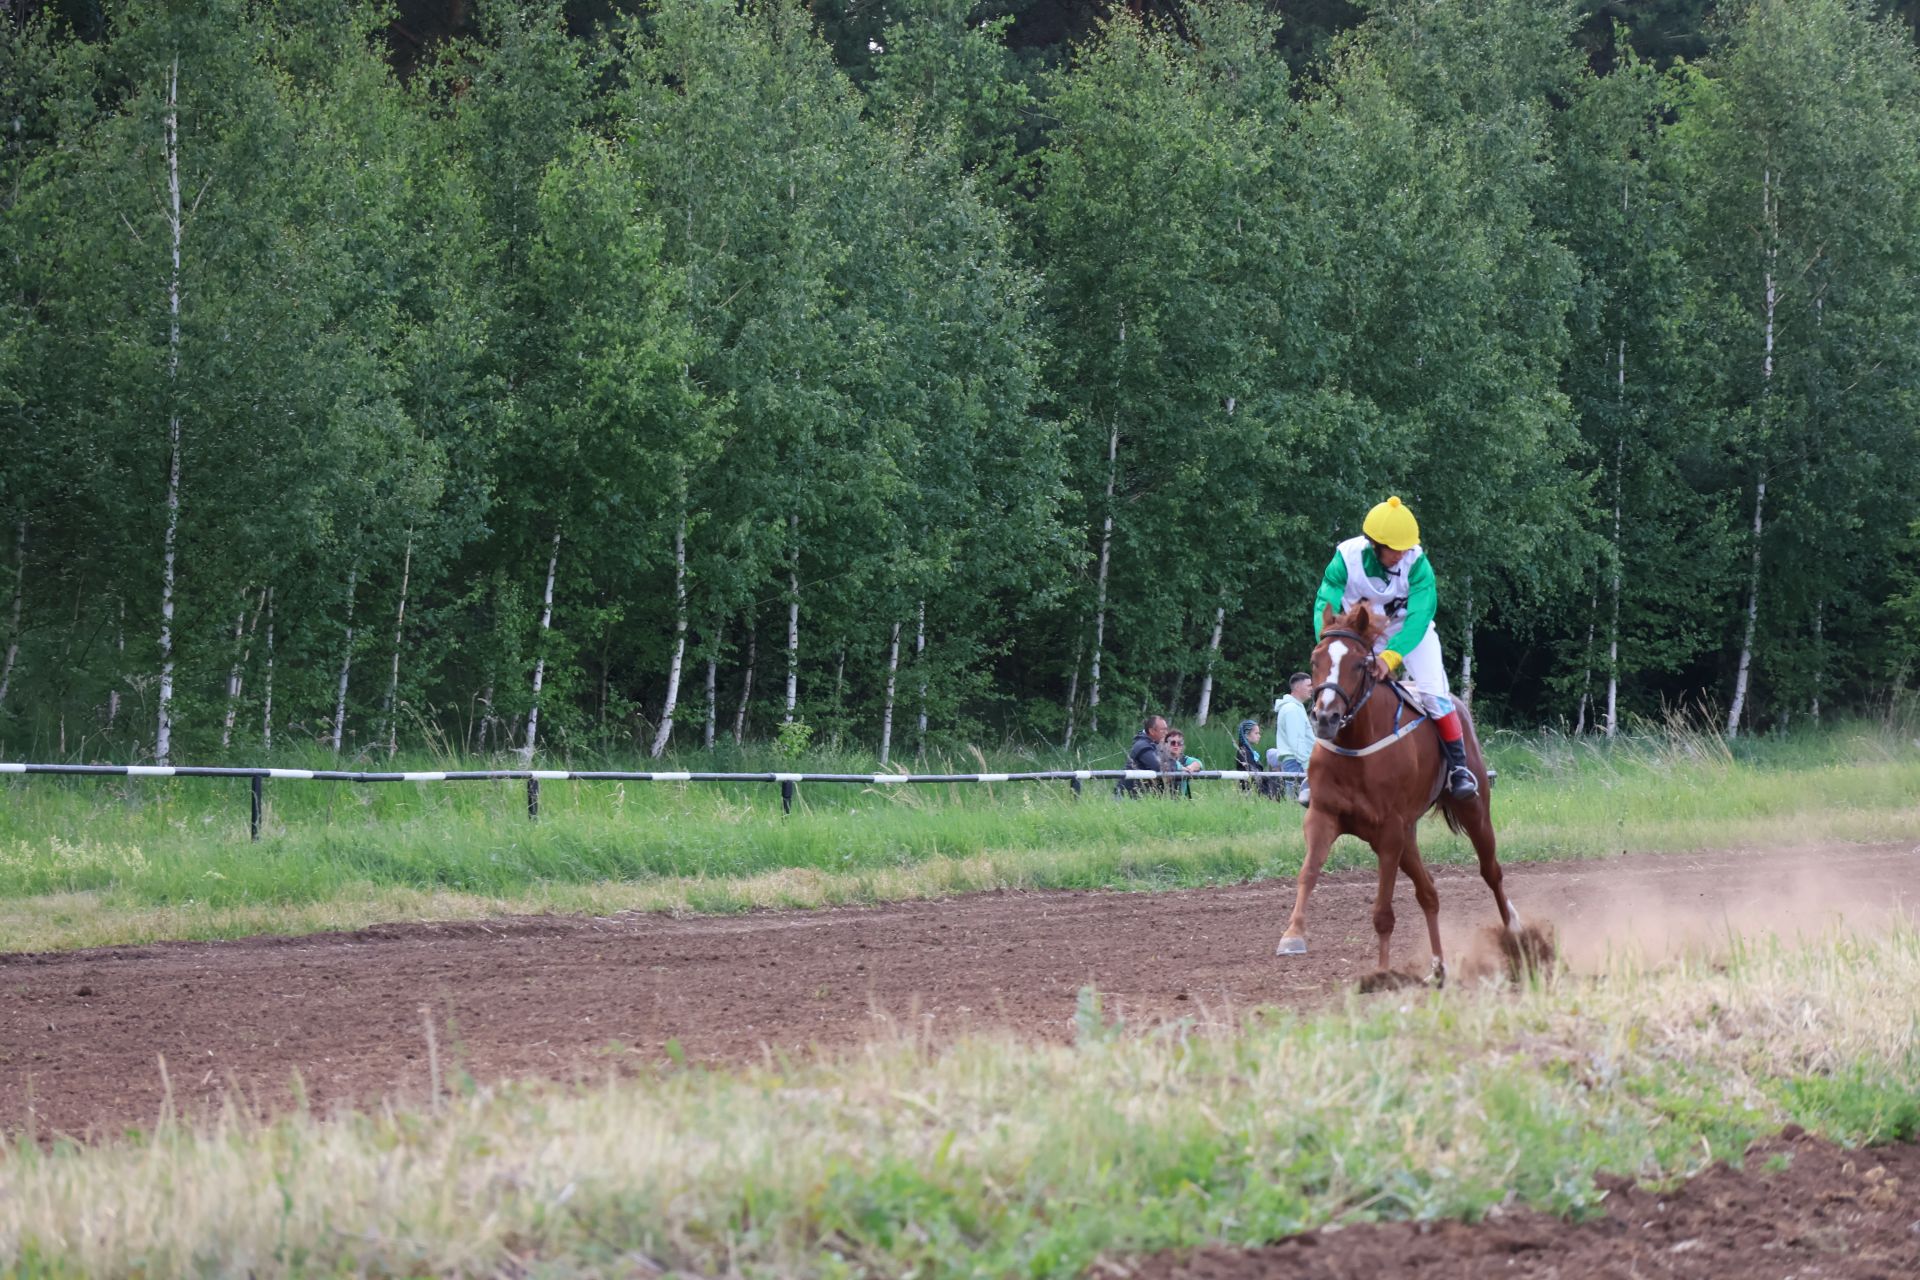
[(1376, 770)]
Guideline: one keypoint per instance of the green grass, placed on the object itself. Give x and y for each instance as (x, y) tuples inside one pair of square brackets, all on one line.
[(998, 1157), (94, 862)]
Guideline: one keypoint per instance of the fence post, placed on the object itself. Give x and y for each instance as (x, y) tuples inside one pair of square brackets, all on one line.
[(1075, 783), (253, 826), (533, 799), (786, 797)]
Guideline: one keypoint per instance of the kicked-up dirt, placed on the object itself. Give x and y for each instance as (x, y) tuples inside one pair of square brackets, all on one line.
[(1799, 1209), (83, 1035)]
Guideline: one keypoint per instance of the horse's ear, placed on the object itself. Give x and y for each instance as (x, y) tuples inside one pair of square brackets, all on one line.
[(1326, 616)]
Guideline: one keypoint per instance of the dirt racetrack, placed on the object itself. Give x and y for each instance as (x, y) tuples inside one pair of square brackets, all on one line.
[(82, 1034)]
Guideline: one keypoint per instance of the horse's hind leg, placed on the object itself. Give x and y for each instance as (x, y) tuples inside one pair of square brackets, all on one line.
[(1428, 896), (1478, 825), (1475, 818)]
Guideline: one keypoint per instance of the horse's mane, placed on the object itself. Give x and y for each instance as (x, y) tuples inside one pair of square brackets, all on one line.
[(1363, 617)]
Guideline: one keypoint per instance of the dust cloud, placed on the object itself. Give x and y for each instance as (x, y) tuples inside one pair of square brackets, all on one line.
[(1603, 911)]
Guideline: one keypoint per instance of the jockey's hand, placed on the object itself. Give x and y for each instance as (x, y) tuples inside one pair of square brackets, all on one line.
[(1380, 669)]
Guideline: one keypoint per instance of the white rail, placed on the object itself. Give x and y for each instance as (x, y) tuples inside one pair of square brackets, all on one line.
[(534, 777)]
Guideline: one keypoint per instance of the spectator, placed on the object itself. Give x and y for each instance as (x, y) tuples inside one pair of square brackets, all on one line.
[(1292, 735), (1180, 762), (1247, 757), (1246, 751), (1145, 755)]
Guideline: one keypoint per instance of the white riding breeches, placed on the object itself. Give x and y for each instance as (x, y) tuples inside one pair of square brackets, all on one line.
[(1425, 671)]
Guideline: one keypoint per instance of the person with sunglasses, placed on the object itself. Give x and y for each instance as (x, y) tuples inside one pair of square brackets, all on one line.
[(1175, 750)]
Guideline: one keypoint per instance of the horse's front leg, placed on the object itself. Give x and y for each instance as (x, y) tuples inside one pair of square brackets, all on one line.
[(1428, 896), (1388, 852), (1321, 831)]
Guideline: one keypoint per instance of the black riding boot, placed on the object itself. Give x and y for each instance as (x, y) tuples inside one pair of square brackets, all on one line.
[(1460, 780)]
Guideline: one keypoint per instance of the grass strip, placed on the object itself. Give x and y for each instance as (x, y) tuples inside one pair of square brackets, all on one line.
[(89, 862), (995, 1157)]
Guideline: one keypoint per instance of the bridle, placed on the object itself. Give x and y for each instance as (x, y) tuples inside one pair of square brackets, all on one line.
[(1350, 704)]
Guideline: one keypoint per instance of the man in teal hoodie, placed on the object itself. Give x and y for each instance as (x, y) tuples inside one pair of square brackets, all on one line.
[(1292, 734)]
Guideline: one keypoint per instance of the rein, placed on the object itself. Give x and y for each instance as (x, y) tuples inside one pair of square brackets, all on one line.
[(1353, 704)]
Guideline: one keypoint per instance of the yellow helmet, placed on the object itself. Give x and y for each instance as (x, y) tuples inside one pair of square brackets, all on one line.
[(1391, 525)]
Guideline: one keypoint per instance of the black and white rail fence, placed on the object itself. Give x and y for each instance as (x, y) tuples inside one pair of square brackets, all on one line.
[(787, 782)]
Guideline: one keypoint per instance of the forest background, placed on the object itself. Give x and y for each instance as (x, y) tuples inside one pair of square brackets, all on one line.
[(607, 377)]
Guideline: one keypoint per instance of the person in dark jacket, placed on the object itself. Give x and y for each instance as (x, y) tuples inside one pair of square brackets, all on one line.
[(1145, 755)]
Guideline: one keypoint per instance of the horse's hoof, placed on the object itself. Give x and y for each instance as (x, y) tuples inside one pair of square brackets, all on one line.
[(1291, 946), (1437, 976)]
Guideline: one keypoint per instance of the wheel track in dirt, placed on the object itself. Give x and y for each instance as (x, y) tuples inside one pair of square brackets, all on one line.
[(82, 1033)]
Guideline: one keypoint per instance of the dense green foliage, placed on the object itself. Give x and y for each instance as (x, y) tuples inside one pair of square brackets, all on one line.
[(656, 380)]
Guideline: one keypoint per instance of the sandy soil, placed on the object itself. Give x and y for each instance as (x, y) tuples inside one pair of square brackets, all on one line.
[(83, 1034)]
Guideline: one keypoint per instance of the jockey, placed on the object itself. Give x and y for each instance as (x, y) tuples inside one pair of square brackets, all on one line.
[(1386, 566)]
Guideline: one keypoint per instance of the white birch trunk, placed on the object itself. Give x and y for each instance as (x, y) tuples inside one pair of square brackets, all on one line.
[(1073, 689), (1613, 627), (236, 675), (679, 639), (1819, 657), (540, 663), (886, 712), (346, 664), (163, 732), (793, 616), (120, 662), (66, 663), (1213, 654), (13, 626), (1743, 673), (390, 705), (1100, 595), (839, 691), (746, 683), (713, 688), (920, 663), (1586, 665), (266, 691), (1770, 217), (233, 672), (1466, 649)]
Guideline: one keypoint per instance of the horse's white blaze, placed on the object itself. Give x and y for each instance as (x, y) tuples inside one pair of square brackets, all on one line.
[(1337, 651)]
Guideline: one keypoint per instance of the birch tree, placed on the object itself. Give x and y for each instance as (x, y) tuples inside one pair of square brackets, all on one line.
[(1630, 376), (1803, 209)]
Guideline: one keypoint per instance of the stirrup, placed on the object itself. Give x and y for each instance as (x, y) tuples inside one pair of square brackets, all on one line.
[(1461, 783)]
